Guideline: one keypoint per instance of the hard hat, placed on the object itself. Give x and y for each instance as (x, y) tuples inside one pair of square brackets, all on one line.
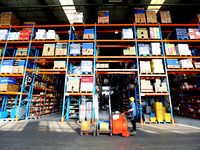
[(132, 99)]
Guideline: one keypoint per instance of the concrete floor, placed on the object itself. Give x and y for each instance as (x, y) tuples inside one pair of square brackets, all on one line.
[(49, 134)]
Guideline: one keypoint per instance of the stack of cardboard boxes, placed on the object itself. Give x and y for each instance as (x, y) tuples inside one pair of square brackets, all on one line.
[(183, 49), (61, 49), (146, 86), (155, 49), (21, 52), (7, 66), (144, 49), (86, 84), (27, 24), (186, 63), (165, 17), (142, 33), (194, 33), (87, 49), (59, 65), (160, 87), (51, 35), (48, 50), (170, 49), (12, 36), (86, 66), (41, 34), (25, 35), (102, 66), (88, 34), (3, 34), (129, 51), (145, 67), (151, 16), (7, 18), (127, 33), (73, 84), (8, 85), (154, 33), (75, 49), (172, 63), (157, 66), (103, 17), (78, 17), (19, 66), (180, 34), (139, 15)]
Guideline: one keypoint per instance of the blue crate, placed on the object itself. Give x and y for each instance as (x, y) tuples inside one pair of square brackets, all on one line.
[(152, 114), (88, 46), (21, 63), (13, 113), (3, 114), (107, 13), (7, 81), (7, 62), (88, 31), (139, 11), (172, 62)]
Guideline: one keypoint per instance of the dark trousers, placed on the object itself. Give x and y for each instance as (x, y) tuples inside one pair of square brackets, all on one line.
[(133, 122)]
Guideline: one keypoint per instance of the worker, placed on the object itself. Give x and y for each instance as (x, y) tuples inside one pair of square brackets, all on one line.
[(132, 113)]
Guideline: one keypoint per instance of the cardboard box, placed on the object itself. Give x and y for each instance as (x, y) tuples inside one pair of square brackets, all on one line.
[(7, 18), (151, 16), (104, 126), (165, 17), (86, 84), (103, 17), (85, 125), (48, 50)]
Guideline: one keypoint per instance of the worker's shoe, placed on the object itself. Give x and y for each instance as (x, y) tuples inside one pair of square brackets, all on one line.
[(133, 133)]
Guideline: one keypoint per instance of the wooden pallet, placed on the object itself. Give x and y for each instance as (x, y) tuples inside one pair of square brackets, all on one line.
[(159, 122), (86, 72), (6, 72), (59, 68), (150, 22), (142, 38), (144, 54), (156, 55), (7, 120), (146, 73), (161, 92), (187, 68), (85, 91)]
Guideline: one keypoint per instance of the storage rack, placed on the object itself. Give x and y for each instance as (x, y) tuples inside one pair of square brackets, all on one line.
[(50, 71)]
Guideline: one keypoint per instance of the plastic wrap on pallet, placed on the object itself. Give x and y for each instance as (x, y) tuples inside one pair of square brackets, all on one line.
[(144, 49), (41, 34), (75, 49), (3, 34), (194, 33), (186, 63), (13, 36), (182, 49), (155, 49), (127, 33)]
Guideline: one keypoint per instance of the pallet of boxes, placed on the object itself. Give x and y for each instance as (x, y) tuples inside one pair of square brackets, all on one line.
[(21, 52), (87, 49), (103, 17), (19, 66), (8, 85), (48, 50), (88, 34), (59, 65), (73, 85), (8, 18), (165, 17), (129, 51), (139, 14), (160, 87), (142, 33), (151, 16), (61, 49), (7, 66)]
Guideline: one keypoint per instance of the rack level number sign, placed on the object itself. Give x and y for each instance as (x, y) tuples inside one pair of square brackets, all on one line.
[(28, 80)]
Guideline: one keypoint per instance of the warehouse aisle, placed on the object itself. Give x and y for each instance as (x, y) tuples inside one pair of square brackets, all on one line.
[(49, 134)]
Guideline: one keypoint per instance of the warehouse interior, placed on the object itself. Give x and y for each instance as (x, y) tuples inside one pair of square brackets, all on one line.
[(71, 70)]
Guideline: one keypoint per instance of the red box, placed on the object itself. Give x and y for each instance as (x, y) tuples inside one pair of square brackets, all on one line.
[(87, 79)]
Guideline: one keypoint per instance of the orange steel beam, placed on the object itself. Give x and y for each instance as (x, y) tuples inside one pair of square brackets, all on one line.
[(49, 72), (153, 94), (183, 70), (81, 75), (79, 94), (151, 57), (177, 57), (13, 93), (43, 57), (114, 46), (15, 58), (115, 57), (81, 57), (110, 61), (114, 72), (12, 75), (46, 70)]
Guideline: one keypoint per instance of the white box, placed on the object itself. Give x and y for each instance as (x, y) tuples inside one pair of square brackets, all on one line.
[(155, 49), (82, 112), (7, 69), (89, 111)]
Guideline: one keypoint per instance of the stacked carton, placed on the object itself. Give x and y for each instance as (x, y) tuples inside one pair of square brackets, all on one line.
[(160, 86), (144, 49), (146, 86), (180, 34), (151, 16), (75, 49), (51, 35), (78, 17), (59, 65), (73, 84), (154, 32), (142, 33), (155, 49), (7, 18), (185, 63), (127, 33), (86, 84), (145, 67), (21, 52), (197, 65), (157, 66), (102, 66), (13, 36), (165, 17), (76, 70), (194, 33), (103, 16), (86, 66), (88, 34), (61, 49), (8, 85), (183, 49), (139, 15), (27, 24), (87, 49), (172, 63), (25, 35), (48, 50), (129, 51), (19, 66), (170, 49), (7, 66), (41, 34), (3, 34)]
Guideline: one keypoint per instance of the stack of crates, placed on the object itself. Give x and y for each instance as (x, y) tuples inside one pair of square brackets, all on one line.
[(8, 85), (157, 66), (194, 33), (48, 50), (7, 18), (159, 111), (13, 36), (155, 49), (25, 35), (103, 17), (86, 67), (86, 84), (129, 51), (61, 49), (7, 66), (41, 34), (183, 49), (19, 66), (73, 84), (127, 33), (75, 50), (151, 16), (139, 15), (88, 34), (145, 67), (21, 52), (142, 33), (172, 63), (146, 86), (87, 49)]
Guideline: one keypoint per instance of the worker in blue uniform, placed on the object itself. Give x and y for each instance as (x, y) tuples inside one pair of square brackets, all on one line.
[(132, 113)]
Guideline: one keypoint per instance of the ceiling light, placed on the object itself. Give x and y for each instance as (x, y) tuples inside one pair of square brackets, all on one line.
[(156, 8)]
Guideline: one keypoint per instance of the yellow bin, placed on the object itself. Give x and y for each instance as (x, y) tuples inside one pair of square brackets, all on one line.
[(85, 125)]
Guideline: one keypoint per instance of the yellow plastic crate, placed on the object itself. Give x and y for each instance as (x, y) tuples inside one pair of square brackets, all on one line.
[(153, 119), (167, 117)]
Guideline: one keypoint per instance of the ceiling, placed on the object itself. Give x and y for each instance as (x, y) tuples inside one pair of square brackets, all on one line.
[(50, 11)]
